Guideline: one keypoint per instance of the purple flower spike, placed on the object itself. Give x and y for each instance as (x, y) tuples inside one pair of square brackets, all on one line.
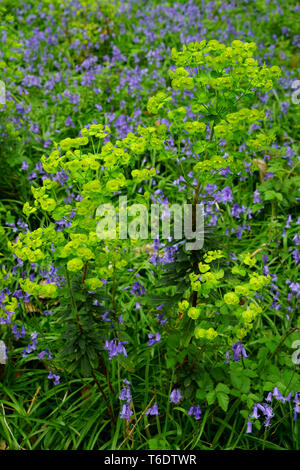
[(125, 395), (255, 412), (269, 397), (153, 339), (238, 351), (249, 428), (195, 411), (153, 411), (24, 166), (126, 412), (56, 378), (175, 396)]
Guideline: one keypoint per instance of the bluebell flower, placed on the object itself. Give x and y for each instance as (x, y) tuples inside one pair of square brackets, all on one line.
[(297, 406), (153, 339), (238, 351), (269, 397), (195, 411), (104, 317), (138, 289), (45, 352), (227, 361), (265, 409), (24, 166), (227, 195), (18, 333), (159, 307), (115, 348), (56, 378), (175, 396), (255, 412), (125, 395), (125, 412), (153, 411), (296, 239), (161, 319), (288, 221), (249, 427), (278, 396), (31, 347)]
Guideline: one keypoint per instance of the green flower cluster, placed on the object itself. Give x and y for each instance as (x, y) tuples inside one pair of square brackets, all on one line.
[(237, 309)]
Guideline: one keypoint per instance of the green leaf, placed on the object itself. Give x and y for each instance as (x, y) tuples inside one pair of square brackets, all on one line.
[(250, 373), (268, 386), (199, 146), (126, 363), (240, 382), (224, 310), (211, 397), (223, 388), (171, 362), (173, 340), (200, 394), (270, 195), (223, 400), (158, 443), (218, 374), (85, 366), (244, 413), (58, 213)]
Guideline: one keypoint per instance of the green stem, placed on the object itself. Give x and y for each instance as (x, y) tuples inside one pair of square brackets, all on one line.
[(73, 303), (104, 396)]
